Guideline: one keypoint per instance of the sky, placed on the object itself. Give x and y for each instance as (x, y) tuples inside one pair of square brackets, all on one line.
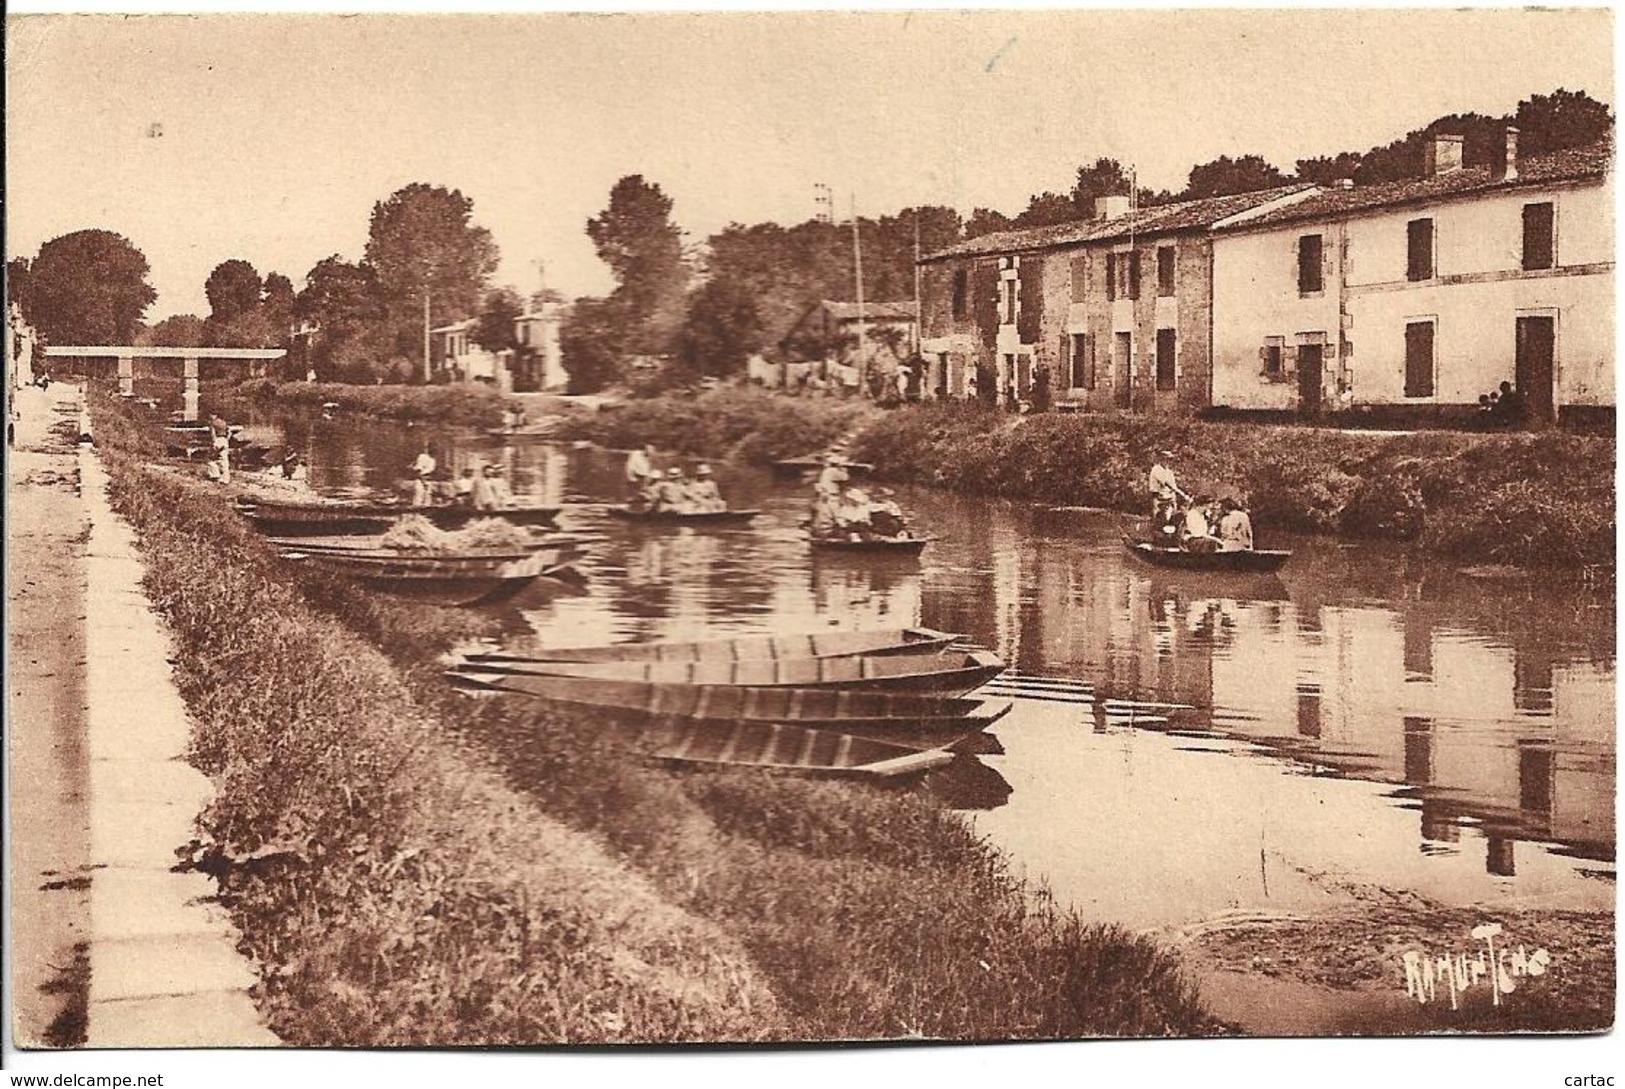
[(269, 138)]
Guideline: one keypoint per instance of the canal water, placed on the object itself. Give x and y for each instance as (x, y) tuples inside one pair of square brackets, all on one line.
[(1366, 718)]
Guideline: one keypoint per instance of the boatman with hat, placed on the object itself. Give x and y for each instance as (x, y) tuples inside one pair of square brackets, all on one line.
[(827, 493), (1165, 495)]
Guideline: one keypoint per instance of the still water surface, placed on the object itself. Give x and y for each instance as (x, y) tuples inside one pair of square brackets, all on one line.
[(1366, 718)]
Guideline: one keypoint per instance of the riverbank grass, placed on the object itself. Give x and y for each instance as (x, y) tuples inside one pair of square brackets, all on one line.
[(462, 404), (409, 866)]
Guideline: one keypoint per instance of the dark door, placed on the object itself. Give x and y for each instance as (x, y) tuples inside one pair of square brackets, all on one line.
[(1311, 368), (1122, 357), (1536, 372)]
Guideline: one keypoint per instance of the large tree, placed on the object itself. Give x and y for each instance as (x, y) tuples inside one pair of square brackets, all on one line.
[(591, 344), (722, 330), (495, 329), (233, 288), (1224, 176), (636, 238), (423, 240), (88, 287), (179, 331), (351, 340), (277, 304), (1559, 120)]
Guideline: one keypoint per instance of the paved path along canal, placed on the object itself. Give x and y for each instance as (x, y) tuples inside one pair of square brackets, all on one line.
[(102, 797)]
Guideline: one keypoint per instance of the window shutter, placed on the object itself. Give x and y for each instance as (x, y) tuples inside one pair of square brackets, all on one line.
[(1289, 360), (1264, 360), (1134, 274), (1111, 277)]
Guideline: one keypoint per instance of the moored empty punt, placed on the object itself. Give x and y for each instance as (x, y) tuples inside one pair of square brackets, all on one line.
[(824, 644), (896, 546), (844, 710), (950, 673), (783, 747), (466, 578)]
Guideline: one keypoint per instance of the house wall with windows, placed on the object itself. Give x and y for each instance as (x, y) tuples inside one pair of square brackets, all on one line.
[(1412, 300), (1477, 296)]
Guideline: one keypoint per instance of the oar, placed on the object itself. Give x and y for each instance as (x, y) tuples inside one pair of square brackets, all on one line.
[(1042, 697)]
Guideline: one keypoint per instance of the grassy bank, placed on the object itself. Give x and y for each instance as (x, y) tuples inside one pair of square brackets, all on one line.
[(750, 425), (412, 867), (470, 405), (1527, 499)]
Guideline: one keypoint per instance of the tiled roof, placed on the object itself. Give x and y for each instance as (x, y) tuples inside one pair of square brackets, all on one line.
[(872, 311), (1570, 164), (1154, 219)]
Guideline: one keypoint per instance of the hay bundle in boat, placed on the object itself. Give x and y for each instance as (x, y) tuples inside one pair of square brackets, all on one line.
[(415, 533)]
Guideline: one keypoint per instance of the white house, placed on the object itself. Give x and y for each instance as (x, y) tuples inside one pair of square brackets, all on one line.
[(1413, 298), (536, 364)]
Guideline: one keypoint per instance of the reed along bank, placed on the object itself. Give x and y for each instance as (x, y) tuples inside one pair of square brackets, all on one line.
[(409, 866), (1528, 499)]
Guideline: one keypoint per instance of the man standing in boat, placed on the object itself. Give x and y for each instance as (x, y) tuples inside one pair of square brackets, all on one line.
[(422, 469), (640, 470), (827, 493), (1165, 496)]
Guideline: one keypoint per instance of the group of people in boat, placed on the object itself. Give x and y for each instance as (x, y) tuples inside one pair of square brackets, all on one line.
[(480, 487), (1198, 523), (671, 490), (841, 511)]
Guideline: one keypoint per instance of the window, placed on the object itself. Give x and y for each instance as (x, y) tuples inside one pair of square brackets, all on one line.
[(1271, 354), (1009, 302), (961, 290), (1080, 278), (1419, 359), (1111, 277), (1133, 291), (1083, 361), (1166, 376), (1165, 271), (1537, 236), (1419, 249), (1310, 279)]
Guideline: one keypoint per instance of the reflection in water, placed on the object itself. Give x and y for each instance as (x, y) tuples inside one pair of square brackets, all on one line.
[(1367, 715)]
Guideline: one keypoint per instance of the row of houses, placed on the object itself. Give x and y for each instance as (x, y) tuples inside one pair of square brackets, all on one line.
[(1406, 300)]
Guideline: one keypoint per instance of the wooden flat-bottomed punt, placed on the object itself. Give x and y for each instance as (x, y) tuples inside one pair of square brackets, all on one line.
[(559, 547), (1260, 561), (683, 518), (284, 517), (782, 747), (888, 546), (886, 714), (952, 673), (466, 578), (824, 644)]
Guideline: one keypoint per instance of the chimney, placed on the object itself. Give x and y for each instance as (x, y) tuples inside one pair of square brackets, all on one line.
[(1442, 155), (1507, 167), (1111, 207)]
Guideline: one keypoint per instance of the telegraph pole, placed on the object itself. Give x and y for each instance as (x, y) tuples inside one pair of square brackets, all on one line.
[(428, 372), (857, 264)]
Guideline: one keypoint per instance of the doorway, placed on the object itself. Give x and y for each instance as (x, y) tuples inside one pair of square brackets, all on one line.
[(1536, 368), (1122, 368), (1311, 375)]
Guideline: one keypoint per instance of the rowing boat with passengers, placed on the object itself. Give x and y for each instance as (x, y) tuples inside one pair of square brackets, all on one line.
[(825, 644), (1245, 560), (655, 516), (884, 714), (950, 673)]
